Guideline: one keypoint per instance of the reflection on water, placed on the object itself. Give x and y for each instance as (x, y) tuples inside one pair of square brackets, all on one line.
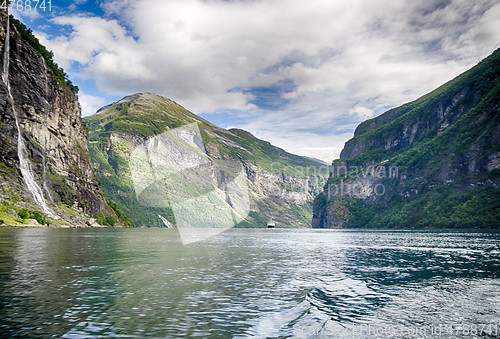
[(263, 283)]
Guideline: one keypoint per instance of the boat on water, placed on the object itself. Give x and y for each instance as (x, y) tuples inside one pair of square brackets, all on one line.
[(271, 224)]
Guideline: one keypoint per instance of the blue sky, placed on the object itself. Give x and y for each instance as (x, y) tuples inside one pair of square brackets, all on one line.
[(300, 74)]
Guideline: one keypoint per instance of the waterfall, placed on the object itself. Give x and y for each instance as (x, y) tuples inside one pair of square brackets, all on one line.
[(6, 56), (22, 152)]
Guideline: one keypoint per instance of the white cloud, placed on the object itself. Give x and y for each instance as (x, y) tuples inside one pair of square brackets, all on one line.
[(31, 15), (89, 103), (346, 60), (362, 113), (323, 147)]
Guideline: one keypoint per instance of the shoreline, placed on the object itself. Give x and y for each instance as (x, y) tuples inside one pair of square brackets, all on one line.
[(52, 226)]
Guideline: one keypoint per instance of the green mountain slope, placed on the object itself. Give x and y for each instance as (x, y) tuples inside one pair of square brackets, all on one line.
[(281, 185), (434, 162)]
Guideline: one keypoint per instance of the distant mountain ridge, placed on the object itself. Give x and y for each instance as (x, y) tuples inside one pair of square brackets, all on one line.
[(318, 160), (282, 186), (434, 162)]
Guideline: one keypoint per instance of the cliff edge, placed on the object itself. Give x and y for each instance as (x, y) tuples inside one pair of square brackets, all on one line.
[(45, 168)]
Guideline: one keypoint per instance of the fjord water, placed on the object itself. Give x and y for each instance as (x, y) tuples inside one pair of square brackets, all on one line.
[(260, 283)]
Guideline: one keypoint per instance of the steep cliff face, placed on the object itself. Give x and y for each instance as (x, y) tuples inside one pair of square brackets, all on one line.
[(41, 115), (434, 162), (280, 185)]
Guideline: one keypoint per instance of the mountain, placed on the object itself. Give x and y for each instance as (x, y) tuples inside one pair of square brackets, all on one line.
[(129, 138), (434, 162), (45, 169), (317, 160)]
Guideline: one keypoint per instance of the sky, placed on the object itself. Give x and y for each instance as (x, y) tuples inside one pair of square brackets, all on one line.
[(299, 74)]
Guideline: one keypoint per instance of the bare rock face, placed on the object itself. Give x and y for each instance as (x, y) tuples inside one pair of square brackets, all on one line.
[(56, 139)]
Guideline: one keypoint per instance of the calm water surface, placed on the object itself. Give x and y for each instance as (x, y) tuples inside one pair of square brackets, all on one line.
[(249, 283)]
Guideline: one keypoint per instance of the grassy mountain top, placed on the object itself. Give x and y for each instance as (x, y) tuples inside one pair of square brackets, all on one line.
[(148, 114), (279, 181)]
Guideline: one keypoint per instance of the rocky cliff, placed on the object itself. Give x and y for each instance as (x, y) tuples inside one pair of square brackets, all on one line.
[(434, 162), (45, 168), (280, 185)]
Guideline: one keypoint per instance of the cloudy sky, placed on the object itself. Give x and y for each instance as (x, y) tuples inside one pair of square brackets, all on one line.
[(300, 74)]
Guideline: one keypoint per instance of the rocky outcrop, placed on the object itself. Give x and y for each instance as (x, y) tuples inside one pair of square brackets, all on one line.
[(55, 137), (433, 162), (412, 123)]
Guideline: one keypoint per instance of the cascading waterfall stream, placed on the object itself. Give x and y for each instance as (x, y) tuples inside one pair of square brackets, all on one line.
[(22, 152)]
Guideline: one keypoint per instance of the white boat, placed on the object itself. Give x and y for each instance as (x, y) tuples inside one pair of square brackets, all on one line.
[(271, 224)]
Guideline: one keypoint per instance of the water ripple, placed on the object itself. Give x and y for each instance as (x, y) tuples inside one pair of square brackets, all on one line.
[(245, 283)]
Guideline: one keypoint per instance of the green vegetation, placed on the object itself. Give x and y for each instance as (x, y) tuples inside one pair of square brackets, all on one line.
[(27, 35), (254, 220), (10, 220), (110, 221), (121, 216), (114, 175), (289, 187), (105, 220), (8, 206), (441, 207), (5, 168), (24, 213)]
